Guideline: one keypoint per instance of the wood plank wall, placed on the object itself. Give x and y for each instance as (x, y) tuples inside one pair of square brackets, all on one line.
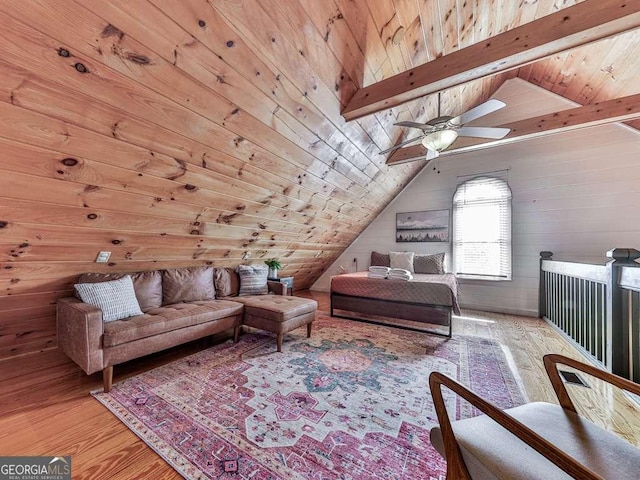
[(181, 133)]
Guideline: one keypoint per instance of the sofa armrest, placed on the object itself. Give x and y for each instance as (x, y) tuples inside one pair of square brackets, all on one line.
[(278, 288), (79, 330)]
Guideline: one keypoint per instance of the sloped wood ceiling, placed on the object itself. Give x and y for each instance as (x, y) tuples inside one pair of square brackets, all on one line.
[(176, 133)]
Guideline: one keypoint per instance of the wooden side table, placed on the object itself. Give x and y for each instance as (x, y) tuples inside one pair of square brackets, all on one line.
[(288, 281)]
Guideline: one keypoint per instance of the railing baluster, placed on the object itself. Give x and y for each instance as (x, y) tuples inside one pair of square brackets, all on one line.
[(598, 319), (566, 304), (548, 292), (603, 325), (555, 298), (634, 325), (562, 295), (560, 305), (579, 313), (569, 303), (574, 312), (592, 330)]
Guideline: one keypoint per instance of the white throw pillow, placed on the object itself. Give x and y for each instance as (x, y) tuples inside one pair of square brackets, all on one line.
[(116, 298), (402, 260)]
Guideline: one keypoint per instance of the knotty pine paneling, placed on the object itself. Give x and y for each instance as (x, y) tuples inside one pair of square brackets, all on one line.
[(192, 132), (137, 137)]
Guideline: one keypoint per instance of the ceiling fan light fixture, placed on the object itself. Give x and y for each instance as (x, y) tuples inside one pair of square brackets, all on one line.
[(441, 132), (439, 140)]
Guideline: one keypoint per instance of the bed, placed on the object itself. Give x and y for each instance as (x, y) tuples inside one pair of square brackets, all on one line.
[(425, 300)]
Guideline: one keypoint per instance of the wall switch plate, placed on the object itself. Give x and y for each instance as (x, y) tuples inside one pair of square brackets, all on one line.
[(103, 257)]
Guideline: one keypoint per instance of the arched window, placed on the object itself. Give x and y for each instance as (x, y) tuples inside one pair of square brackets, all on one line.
[(482, 229)]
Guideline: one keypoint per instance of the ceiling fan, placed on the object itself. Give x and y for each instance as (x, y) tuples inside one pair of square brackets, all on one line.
[(439, 133)]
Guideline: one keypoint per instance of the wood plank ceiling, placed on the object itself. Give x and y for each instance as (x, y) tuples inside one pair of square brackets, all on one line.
[(181, 133)]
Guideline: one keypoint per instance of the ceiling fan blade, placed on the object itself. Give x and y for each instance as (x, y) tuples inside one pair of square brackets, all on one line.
[(431, 154), (480, 111), (483, 132), (413, 125), (401, 144)]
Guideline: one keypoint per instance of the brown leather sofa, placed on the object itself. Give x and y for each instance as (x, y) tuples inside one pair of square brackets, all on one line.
[(178, 305)]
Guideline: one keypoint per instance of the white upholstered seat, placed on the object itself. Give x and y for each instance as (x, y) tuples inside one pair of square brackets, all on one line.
[(488, 450)]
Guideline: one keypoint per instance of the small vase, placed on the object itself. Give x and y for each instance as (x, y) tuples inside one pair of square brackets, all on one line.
[(273, 273)]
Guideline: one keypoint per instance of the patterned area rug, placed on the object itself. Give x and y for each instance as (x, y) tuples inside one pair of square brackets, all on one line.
[(352, 402)]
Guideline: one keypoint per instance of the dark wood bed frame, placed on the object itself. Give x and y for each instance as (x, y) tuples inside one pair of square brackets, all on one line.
[(417, 312)]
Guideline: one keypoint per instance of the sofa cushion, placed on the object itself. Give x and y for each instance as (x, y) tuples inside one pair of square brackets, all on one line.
[(116, 298), (187, 285), (276, 307), (147, 285), (380, 259), (431, 264), (102, 277), (253, 279), (403, 260), (227, 282), (168, 318)]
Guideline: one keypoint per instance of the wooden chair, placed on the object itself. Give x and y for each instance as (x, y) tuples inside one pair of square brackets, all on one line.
[(533, 441)]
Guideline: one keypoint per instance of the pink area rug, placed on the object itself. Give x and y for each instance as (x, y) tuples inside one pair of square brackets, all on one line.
[(352, 402)]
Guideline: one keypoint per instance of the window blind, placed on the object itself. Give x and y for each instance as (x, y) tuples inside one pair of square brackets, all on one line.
[(482, 229)]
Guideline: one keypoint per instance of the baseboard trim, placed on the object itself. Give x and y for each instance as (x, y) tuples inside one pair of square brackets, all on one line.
[(322, 289), (510, 311)]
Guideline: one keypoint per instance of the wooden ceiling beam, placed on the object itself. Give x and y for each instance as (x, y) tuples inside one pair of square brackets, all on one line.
[(571, 27), (609, 111)]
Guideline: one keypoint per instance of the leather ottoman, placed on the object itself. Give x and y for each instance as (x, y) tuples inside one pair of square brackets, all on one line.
[(278, 314)]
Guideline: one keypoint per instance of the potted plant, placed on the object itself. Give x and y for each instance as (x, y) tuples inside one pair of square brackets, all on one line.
[(274, 265)]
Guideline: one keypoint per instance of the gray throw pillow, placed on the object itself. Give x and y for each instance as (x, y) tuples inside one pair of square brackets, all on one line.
[(227, 282), (253, 279), (116, 298), (380, 259), (433, 264)]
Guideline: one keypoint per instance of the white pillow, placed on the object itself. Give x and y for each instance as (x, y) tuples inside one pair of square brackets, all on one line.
[(402, 260), (116, 298)]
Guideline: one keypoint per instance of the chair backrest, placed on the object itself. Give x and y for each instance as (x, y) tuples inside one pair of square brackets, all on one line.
[(598, 453)]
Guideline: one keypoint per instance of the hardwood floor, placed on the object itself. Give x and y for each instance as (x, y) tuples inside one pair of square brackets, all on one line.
[(47, 410)]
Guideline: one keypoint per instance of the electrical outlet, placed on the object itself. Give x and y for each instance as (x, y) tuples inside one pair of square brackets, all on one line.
[(103, 257)]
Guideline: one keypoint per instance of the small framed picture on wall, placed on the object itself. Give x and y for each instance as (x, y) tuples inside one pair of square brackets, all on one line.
[(425, 226)]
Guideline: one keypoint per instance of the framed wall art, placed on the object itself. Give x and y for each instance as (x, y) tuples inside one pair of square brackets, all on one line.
[(425, 226)]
